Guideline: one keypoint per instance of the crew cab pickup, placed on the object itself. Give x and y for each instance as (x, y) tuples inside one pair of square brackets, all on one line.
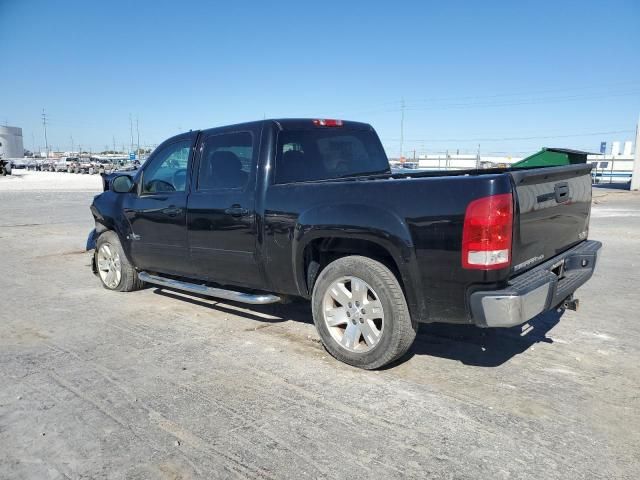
[(264, 211)]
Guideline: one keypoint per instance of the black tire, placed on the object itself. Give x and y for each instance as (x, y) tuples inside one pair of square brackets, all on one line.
[(399, 331), (129, 280)]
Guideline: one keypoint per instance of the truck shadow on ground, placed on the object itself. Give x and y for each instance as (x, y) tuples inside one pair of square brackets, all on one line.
[(482, 347), (468, 344)]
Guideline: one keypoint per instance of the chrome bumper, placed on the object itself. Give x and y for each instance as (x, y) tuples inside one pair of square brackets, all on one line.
[(536, 291)]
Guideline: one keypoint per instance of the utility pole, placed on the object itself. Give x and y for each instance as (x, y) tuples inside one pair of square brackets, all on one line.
[(138, 134), (44, 126), (401, 128), (71, 144), (114, 144), (635, 177), (131, 131)]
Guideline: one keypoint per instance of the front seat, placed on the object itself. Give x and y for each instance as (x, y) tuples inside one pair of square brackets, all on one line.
[(224, 171)]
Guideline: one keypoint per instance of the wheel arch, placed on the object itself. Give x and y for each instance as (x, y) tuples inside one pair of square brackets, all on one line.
[(325, 235), (108, 223)]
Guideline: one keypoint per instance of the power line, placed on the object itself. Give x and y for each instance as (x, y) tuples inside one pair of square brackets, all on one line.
[(531, 101), (503, 103), (632, 84), (498, 139)]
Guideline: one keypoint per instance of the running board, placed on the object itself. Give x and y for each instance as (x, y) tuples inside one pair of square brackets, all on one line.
[(254, 299)]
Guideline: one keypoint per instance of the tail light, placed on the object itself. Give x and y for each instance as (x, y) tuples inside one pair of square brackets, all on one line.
[(486, 235), (327, 123)]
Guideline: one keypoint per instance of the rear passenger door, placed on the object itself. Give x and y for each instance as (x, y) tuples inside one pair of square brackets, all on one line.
[(221, 217)]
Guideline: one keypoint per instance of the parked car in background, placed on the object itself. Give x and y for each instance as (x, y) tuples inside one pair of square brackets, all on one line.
[(74, 165), (19, 163), (85, 165), (102, 165), (6, 166), (64, 164), (49, 164), (39, 164), (128, 166), (262, 211)]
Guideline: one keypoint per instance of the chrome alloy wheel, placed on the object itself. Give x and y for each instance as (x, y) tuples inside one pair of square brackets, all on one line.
[(109, 266), (353, 314)]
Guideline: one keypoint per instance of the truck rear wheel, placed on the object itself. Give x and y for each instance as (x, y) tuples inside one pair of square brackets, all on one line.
[(361, 314), (113, 267)]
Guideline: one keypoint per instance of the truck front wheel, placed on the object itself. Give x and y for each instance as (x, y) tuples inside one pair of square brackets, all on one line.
[(113, 267), (360, 312)]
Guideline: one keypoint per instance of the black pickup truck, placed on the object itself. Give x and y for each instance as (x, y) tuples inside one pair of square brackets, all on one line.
[(263, 211)]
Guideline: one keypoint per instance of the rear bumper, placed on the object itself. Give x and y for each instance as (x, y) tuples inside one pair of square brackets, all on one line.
[(536, 291)]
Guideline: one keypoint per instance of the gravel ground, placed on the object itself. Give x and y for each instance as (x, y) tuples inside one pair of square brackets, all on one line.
[(30, 181), (156, 384)]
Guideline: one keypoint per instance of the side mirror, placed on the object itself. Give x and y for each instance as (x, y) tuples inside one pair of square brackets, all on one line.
[(122, 184)]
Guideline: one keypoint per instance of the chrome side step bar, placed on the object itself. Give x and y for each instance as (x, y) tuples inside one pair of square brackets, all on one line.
[(254, 299)]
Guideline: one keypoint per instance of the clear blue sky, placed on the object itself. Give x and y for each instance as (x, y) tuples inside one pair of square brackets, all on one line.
[(490, 72)]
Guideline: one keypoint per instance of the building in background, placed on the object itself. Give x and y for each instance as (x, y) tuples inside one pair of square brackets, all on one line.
[(614, 167), (11, 145), (454, 161)]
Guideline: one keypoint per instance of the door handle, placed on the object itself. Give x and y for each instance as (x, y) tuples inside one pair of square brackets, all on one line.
[(236, 211), (172, 211)]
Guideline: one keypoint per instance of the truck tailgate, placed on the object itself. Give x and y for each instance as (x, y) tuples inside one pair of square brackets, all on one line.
[(552, 213)]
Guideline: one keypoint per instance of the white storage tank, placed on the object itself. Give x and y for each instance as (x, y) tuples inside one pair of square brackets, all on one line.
[(615, 149), (628, 145), (11, 145)]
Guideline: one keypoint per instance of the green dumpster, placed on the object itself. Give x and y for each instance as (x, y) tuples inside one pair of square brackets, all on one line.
[(553, 157)]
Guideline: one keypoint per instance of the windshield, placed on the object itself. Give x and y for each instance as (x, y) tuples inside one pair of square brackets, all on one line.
[(305, 155)]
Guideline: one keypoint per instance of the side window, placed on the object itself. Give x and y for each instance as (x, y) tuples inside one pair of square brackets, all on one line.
[(226, 161), (167, 171)]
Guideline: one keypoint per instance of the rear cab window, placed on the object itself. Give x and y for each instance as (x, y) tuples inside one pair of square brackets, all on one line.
[(328, 153)]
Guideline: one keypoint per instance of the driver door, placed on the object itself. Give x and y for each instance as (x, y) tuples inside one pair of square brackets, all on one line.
[(157, 213)]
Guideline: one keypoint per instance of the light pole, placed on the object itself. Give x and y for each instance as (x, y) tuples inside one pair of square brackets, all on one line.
[(635, 177), (44, 126)]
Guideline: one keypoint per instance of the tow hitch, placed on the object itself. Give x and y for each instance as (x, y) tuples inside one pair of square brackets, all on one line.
[(571, 303)]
